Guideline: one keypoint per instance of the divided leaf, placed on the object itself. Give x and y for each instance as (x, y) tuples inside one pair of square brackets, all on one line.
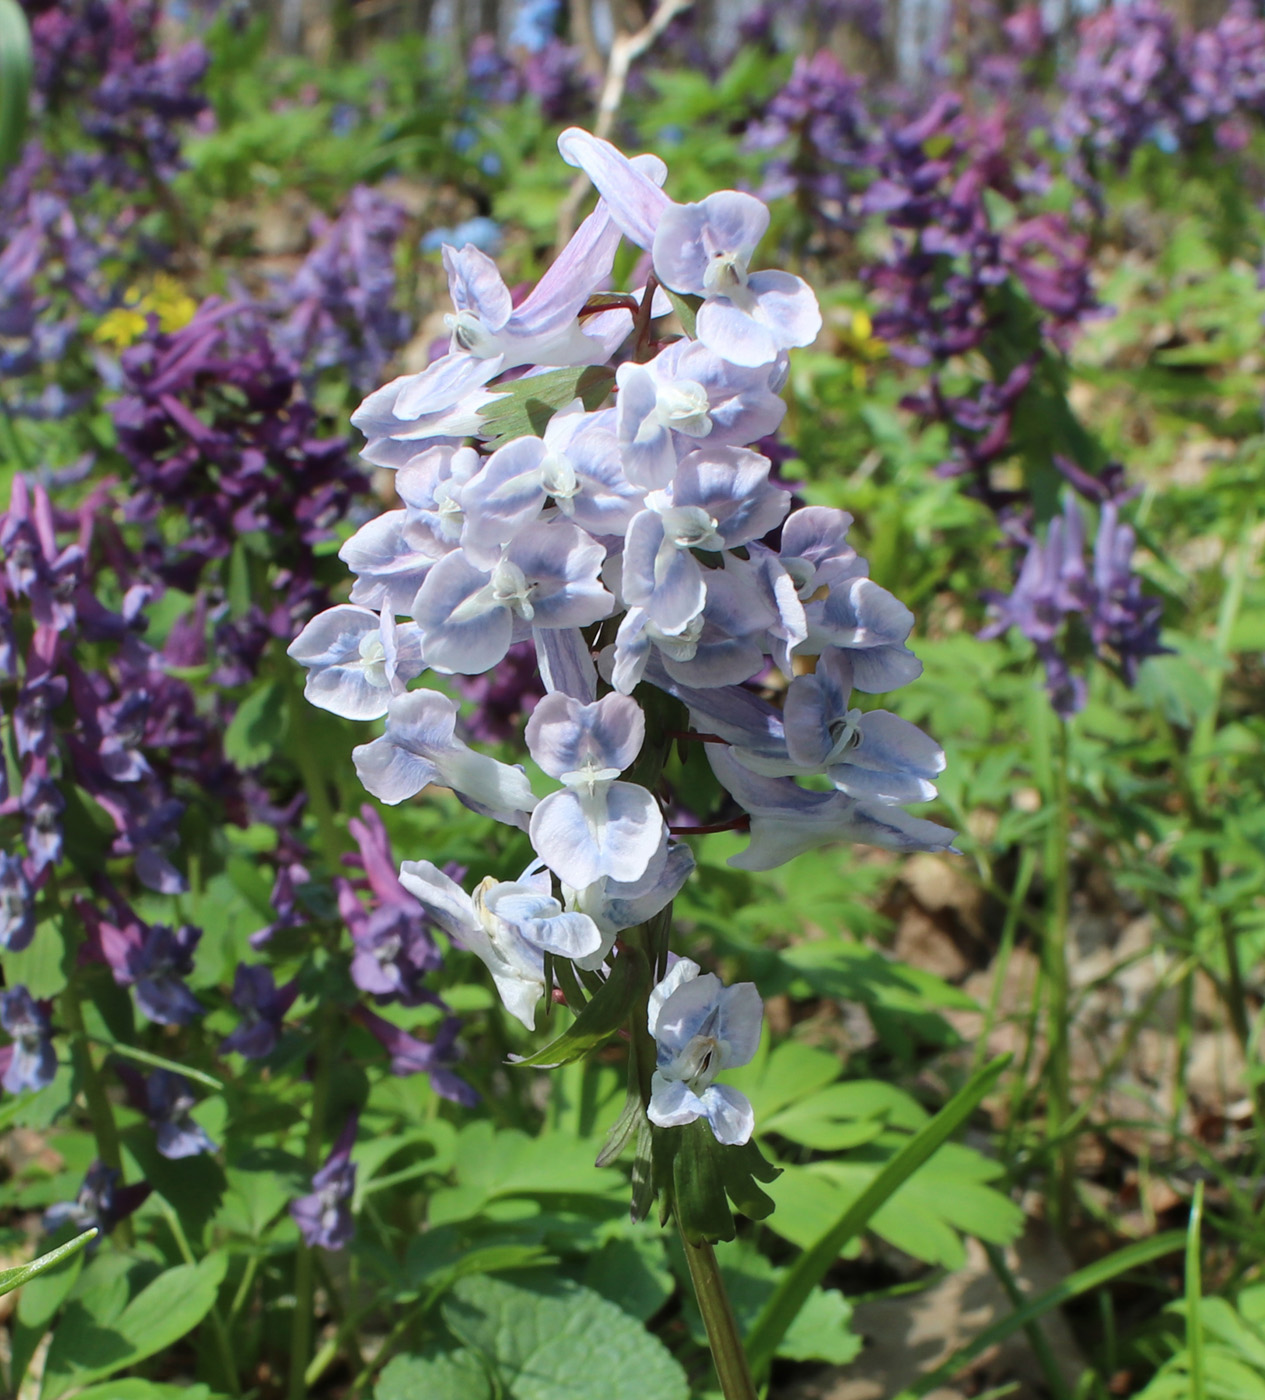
[(525, 406)]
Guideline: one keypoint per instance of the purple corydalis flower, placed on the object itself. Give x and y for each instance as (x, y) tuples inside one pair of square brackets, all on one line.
[(410, 1055), (263, 1006), (324, 1216), (154, 961), (169, 1103), (100, 1203), (341, 297), (393, 946), (1056, 584), (17, 905), (31, 1061)]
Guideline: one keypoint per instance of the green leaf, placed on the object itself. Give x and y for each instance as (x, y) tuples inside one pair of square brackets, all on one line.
[(604, 1014), (15, 1278), (37, 1306), (524, 407), (822, 1330), (632, 1273), (258, 728), (15, 80), (435, 1375), (810, 1268), (94, 1339), (552, 1339), (41, 967), (686, 309)]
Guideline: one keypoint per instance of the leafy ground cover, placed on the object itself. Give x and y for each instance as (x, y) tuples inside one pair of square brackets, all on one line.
[(240, 1052)]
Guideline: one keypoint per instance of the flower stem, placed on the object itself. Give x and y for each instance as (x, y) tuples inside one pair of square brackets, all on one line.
[(100, 1111), (718, 1317), (305, 1258)]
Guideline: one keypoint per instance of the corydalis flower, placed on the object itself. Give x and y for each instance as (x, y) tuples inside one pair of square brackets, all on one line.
[(700, 1028), (100, 1203), (169, 1102), (324, 1216), (30, 1062), (263, 1006), (704, 250)]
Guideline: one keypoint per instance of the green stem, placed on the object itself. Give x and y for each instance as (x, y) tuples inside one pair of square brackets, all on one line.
[(217, 1321), (315, 781), (1058, 882), (100, 1112), (718, 1317), (305, 1258)]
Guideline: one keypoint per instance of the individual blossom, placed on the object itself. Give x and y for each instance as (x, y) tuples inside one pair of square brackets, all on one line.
[(17, 904), (411, 1055), (392, 942), (154, 961), (30, 1062), (169, 1103), (356, 660), (99, 1204), (421, 747), (324, 1215), (701, 1028), (262, 1006), (596, 826), (705, 250), (510, 926)]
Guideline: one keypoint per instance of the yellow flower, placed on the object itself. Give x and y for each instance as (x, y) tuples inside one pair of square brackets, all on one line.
[(120, 327), (858, 344), (166, 299)]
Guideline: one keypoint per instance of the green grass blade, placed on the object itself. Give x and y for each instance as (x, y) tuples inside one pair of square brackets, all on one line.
[(15, 1278), (809, 1269), (15, 80), (1194, 1294), (1083, 1281)]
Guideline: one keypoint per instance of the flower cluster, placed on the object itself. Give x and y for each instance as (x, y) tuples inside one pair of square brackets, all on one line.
[(1138, 79), (113, 107), (639, 546), (339, 303), (211, 414), (1057, 585)]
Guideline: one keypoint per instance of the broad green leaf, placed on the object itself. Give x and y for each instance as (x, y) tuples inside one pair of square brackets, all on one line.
[(552, 1340), (41, 966), (776, 1078), (524, 407), (822, 1329), (15, 80), (491, 1166), (632, 1273), (258, 728), (96, 1338), (435, 1375), (15, 1278)]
